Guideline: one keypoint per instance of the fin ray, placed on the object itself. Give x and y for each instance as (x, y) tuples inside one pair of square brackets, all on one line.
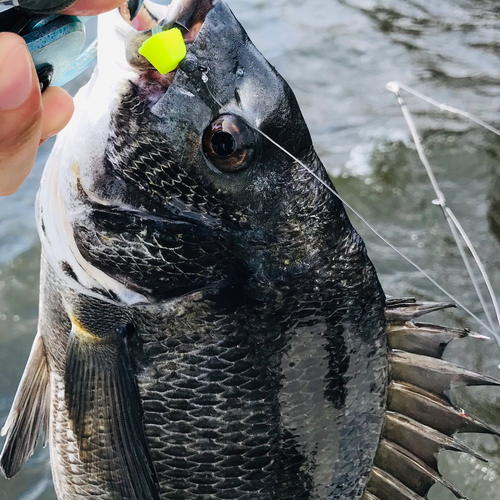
[(422, 441), (29, 414), (104, 409), (403, 310), (433, 375), (369, 496), (421, 420), (410, 470), (431, 410), (422, 338), (387, 487)]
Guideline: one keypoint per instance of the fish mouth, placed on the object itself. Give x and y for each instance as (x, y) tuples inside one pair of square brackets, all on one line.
[(188, 15)]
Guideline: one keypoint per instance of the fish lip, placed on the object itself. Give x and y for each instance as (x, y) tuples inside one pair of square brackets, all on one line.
[(186, 14), (192, 15)]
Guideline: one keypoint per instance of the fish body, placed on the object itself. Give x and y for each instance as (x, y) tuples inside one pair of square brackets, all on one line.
[(211, 325)]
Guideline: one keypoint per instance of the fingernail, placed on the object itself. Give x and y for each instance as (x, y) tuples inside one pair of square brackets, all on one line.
[(16, 77)]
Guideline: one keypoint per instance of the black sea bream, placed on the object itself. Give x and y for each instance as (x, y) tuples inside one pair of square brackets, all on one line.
[(211, 326)]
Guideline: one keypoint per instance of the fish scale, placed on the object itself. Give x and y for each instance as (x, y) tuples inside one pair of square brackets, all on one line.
[(204, 413), (210, 384)]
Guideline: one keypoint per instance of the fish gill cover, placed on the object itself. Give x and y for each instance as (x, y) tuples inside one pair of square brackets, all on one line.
[(210, 324)]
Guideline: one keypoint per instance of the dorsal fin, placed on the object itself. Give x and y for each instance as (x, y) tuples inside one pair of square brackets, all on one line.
[(420, 419)]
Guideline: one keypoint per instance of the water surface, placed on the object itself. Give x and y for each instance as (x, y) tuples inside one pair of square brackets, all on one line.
[(338, 55)]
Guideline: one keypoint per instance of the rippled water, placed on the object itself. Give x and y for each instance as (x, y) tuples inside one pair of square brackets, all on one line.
[(338, 55)]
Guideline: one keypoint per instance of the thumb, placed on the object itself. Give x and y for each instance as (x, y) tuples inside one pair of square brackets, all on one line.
[(26, 119), (20, 112)]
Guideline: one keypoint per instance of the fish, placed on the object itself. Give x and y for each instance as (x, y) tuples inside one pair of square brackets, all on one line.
[(211, 325)]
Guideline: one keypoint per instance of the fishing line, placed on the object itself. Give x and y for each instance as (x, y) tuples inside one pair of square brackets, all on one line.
[(443, 107), (385, 240), (455, 226)]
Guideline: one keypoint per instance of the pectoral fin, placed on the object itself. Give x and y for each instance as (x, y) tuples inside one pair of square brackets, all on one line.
[(105, 413), (29, 413)]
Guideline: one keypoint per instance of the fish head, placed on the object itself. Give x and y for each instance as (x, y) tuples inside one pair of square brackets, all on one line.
[(190, 168), (224, 94)]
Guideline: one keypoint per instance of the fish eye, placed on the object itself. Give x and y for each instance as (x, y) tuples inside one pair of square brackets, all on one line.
[(229, 143)]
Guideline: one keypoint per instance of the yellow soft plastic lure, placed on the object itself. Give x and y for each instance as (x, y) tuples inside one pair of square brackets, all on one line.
[(165, 50)]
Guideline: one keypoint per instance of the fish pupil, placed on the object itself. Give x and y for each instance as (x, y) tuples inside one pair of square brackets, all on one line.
[(223, 144)]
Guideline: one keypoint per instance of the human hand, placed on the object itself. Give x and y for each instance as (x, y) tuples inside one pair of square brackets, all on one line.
[(28, 118)]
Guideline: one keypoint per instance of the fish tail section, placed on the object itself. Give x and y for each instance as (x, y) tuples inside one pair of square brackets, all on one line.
[(105, 415), (421, 420), (29, 414)]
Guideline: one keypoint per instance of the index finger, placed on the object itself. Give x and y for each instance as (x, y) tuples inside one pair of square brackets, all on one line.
[(92, 7)]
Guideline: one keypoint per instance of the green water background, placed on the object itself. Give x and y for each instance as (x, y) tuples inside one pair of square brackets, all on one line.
[(338, 55)]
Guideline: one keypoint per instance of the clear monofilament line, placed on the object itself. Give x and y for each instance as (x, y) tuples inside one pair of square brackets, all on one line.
[(448, 213), (441, 201), (476, 258), (382, 238), (442, 107), (450, 219)]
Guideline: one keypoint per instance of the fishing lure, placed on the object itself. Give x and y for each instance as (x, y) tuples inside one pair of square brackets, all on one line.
[(164, 50)]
